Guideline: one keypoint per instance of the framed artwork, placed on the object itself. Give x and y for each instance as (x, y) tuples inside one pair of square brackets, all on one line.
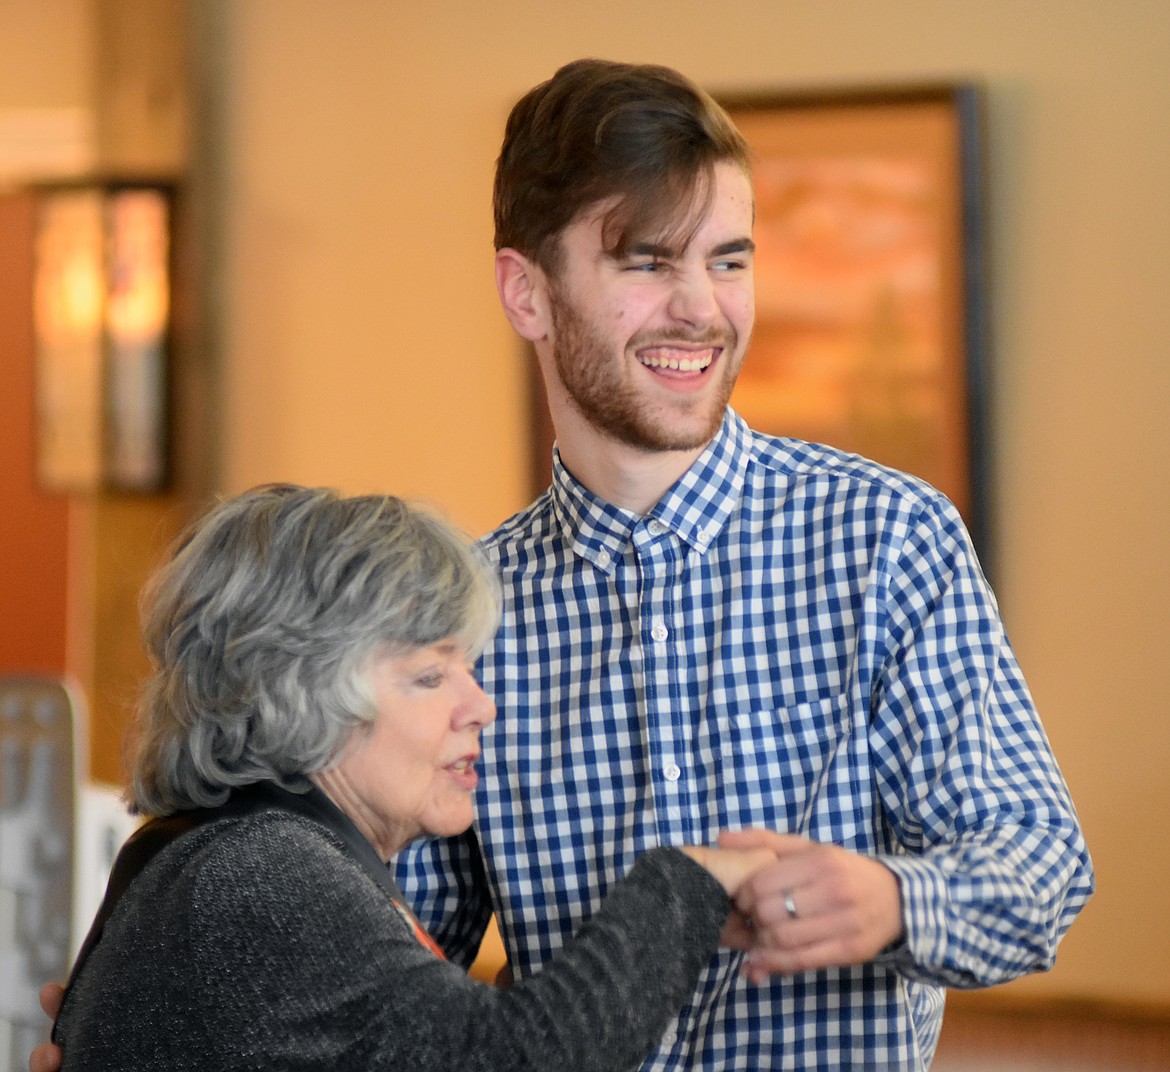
[(102, 292), (869, 269), (869, 281)]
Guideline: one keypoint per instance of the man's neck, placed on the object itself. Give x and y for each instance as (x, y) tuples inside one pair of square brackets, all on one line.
[(622, 475)]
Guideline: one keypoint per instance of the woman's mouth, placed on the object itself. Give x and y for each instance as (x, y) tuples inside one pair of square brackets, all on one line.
[(464, 773)]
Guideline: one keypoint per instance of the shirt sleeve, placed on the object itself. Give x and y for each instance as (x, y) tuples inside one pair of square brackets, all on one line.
[(995, 866)]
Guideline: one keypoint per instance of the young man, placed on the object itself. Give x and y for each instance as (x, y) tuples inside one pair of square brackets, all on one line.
[(706, 629)]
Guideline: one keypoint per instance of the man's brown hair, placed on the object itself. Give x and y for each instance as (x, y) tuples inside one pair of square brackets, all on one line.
[(642, 135)]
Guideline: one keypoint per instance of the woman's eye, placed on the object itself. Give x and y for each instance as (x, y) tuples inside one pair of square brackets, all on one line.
[(430, 680)]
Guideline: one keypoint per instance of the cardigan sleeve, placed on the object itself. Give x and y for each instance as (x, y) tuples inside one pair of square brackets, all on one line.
[(303, 953)]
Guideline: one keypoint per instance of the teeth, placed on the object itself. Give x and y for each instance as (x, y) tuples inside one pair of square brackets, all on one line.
[(460, 765), (677, 362)]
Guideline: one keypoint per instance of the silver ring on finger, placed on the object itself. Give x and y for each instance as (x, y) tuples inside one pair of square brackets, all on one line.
[(790, 905)]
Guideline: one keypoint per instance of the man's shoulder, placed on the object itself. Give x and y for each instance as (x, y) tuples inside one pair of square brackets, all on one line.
[(531, 526), (792, 479), (779, 458)]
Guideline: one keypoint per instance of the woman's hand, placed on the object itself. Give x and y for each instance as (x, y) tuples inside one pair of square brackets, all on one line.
[(732, 868), (47, 1057)]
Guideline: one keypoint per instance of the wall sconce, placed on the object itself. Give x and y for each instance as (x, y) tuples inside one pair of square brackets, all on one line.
[(102, 296)]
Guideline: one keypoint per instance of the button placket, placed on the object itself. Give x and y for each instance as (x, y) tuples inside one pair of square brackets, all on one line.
[(658, 560)]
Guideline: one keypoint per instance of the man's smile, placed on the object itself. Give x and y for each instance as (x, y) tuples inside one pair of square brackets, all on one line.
[(668, 357)]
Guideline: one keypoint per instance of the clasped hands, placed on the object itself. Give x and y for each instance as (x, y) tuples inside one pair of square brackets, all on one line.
[(801, 905)]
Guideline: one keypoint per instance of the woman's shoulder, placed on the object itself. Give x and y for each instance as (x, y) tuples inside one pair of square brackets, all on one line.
[(275, 852)]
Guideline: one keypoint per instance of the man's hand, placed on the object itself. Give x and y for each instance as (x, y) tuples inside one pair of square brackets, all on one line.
[(47, 1057), (815, 906)]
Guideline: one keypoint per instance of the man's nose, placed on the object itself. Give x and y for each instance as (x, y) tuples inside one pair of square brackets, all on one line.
[(692, 299)]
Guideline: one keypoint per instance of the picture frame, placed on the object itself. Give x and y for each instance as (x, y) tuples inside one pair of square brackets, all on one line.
[(870, 311), (870, 328)]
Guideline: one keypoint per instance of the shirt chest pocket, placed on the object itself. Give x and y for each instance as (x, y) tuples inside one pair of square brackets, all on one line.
[(789, 769)]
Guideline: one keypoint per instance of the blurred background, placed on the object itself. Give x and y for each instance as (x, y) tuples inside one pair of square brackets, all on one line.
[(334, 321)]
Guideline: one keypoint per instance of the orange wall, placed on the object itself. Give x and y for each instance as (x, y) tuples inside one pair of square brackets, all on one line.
[(33, 525)]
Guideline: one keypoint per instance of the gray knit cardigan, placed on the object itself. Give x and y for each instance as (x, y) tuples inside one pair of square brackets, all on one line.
[(262, 940)]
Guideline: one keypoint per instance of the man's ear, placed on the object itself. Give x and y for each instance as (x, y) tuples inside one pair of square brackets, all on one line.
[(522, 289)]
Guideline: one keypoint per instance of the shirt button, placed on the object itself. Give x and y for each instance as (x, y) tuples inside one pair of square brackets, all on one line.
[(656, 527), (703, 536), (672, 771), (603, 558), (659, 633)]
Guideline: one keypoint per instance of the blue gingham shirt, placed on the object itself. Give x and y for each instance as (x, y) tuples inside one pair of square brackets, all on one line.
[(793, 638)]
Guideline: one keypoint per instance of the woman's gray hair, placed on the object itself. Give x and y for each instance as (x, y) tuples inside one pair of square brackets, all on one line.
[(261, 627)]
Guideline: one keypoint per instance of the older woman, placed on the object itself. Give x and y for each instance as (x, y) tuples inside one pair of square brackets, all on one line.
[(311, 711)]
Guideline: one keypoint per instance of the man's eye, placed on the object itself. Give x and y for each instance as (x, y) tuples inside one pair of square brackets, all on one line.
[(729, 266), (645, 266)]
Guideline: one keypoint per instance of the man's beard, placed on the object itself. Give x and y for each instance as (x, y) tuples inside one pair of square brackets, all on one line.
[(592, 377)]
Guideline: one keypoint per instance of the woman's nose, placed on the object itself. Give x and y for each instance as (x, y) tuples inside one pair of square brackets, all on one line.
[(476, 708)]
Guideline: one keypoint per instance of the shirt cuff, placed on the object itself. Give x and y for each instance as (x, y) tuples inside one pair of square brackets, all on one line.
[(923, 888)]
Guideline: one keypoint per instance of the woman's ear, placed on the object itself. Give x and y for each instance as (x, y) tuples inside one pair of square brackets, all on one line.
[(522, 288)]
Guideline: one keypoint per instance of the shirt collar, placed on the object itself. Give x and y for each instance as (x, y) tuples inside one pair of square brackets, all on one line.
[(695, 508)]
